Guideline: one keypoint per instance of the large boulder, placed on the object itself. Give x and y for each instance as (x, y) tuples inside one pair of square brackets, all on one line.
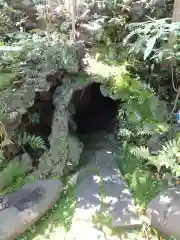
[(65, 149), (154, 143), (24, 207), (164, 212)]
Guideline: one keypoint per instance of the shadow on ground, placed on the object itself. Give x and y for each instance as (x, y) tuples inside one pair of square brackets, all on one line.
[(56, 222)]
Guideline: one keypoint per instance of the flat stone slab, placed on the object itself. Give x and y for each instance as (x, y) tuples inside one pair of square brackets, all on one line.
[(26, 206), (82, 230), (164, 212), (117, 196), (87, 193), (101, 178)]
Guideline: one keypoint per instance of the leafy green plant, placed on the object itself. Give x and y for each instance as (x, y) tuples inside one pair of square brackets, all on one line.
[(151, 39), (168, 156), (35, 142), (135, 136), (34, 118), (10, 174), (5, 21), (140, 118), (144, 185), (139, 100), (6, 79)]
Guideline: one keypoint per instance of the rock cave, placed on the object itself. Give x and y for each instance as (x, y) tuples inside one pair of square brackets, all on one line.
[(93, 111)]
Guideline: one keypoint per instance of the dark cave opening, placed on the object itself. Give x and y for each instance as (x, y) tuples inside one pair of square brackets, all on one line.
[(38, 120), (44, 108), (93, 111)]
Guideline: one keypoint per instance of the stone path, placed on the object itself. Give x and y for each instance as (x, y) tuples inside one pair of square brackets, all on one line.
[(103, 200)]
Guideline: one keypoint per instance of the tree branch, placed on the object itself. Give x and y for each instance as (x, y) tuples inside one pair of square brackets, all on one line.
[(175, 102)]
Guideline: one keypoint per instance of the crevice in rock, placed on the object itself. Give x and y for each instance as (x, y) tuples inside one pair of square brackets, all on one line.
[(37, 121), (44, 108), (93, 111)]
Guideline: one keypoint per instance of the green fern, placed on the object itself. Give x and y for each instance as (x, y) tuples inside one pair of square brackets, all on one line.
[(134, 26), (168, 156), (141, 152), (9, 174), (139, 99), (123, 132), (136, 131), (145, 132), (35, 142), (34, 118), (171, 144)]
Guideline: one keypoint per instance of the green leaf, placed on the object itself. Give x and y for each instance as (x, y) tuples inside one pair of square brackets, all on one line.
[(127, 38), (149, 46), (35, 142), (6, 79)]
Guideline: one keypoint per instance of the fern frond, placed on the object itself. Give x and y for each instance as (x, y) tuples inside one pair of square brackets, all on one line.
[(34, 118), (124, 132), (168, 157), (170, 149), (141, 152), (35, 142), (133, 26), (144, 132)]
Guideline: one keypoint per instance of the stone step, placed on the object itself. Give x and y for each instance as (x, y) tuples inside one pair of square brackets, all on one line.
[(88, 201), (82, 230), (117, 196), (100, 181)]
